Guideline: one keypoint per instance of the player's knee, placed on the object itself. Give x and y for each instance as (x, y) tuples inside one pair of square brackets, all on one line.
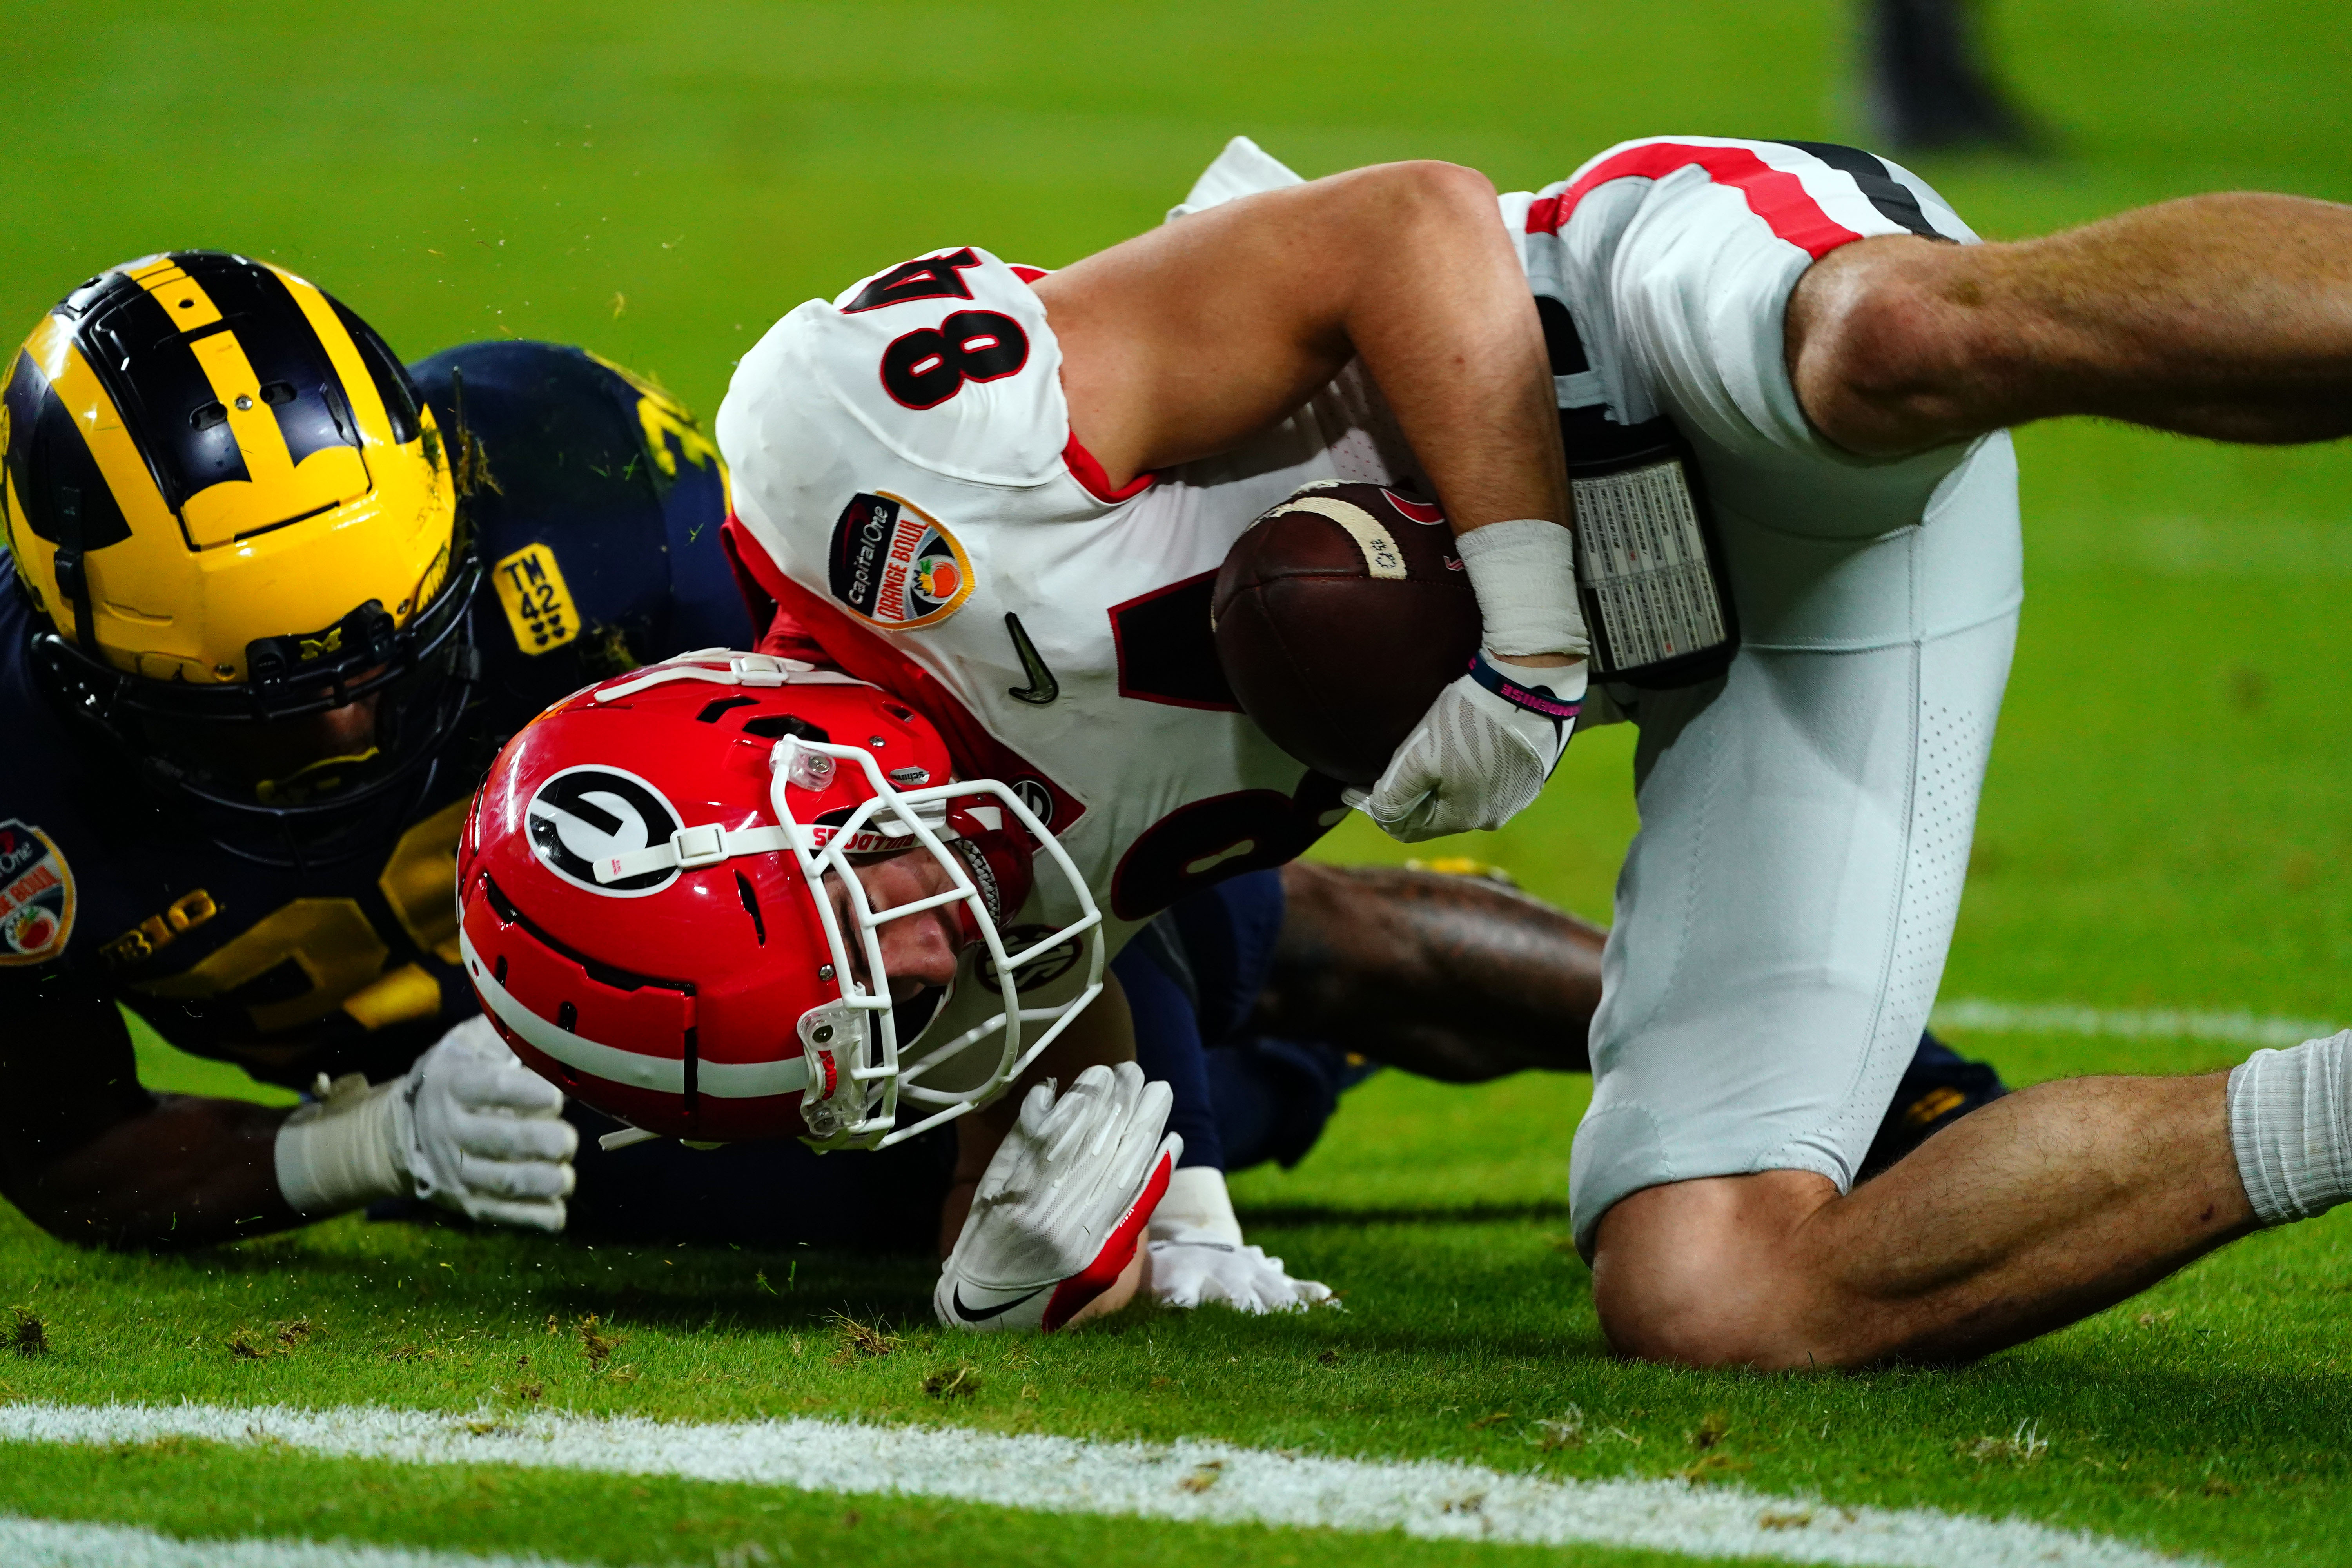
[(1706, 1274)]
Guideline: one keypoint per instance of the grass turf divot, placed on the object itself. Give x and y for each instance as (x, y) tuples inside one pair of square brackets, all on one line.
[(1195, 1481)]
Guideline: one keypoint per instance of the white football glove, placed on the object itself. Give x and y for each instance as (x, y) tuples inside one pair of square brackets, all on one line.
[(1063, 1204), (469, 1128), (1482, 753), (1194, 1268), (1196, 1255)]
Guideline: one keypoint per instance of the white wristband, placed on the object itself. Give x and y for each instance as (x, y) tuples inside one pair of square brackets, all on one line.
[(1196, 1199), (342, 1149), (1523, 574)]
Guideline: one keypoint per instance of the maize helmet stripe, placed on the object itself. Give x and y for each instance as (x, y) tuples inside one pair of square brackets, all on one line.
[(350, 365), (166, 401), (118, 491), (189, 306), (402, 403), (286, 356)]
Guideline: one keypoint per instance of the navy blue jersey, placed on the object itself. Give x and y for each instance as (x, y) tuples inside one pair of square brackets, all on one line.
[(599, 529)]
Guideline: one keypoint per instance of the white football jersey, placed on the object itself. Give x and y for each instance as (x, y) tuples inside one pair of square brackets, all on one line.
[(902, 456), (902, 459)]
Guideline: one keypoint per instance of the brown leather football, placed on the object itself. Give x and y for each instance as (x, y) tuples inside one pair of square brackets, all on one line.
[(1339, 615)]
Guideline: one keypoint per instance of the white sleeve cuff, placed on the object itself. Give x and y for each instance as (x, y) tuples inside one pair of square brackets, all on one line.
[(342, 1149), (1196, 1200)]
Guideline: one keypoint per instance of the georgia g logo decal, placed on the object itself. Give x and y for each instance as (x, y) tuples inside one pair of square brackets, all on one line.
[(584, 814)]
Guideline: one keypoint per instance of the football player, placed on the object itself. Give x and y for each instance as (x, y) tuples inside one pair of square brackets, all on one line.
[(272, 603), (1000, 495)]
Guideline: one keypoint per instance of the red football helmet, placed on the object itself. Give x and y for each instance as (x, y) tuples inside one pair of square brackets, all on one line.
[(643, 902)]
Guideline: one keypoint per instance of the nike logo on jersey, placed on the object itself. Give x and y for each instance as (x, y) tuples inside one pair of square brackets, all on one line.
[(969, 1313), (1041, 687)]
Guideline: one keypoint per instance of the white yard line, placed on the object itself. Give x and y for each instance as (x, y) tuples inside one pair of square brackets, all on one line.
[(1202, 1483), (53, 1544), (2152, 1023)]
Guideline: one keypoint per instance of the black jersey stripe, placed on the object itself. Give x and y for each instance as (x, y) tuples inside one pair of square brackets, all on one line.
[(1892, 199)]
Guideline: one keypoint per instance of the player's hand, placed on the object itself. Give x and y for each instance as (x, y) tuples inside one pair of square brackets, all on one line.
[(482, 1134), (1194, 1268), (1063, 1204), (1482, 753)]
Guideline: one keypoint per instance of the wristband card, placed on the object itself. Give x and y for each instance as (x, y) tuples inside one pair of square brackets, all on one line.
[(1642, 561)]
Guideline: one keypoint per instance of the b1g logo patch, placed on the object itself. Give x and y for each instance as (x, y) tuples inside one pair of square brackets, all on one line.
[(585, 814), (895, 566), (37, 895)]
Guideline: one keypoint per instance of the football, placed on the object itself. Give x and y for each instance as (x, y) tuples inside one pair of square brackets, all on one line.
[(1340, 614)]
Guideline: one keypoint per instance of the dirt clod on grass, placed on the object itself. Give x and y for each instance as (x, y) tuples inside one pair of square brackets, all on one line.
[(598, 1348), (1709, 1468), (859, 1339), (1565, 1431), (1204, 1475), (960, 1381), (242, 1346), (27, 1334), (1713, 1427), (2025, 1446)]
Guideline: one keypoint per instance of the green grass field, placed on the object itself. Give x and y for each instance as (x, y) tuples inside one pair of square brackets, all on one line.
[(2166, 822)]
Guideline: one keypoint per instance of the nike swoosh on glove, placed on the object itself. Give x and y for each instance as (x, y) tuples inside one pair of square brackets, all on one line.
[(483, 1134), (1480, 755), (1194, 1268), (1063, 1204)]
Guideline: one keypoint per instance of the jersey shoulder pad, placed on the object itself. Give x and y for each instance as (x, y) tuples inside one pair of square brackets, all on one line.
[(947, 361)]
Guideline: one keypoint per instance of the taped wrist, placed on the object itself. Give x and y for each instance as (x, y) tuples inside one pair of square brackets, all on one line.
[(342, 1149), (1196, 1199), (1524, 575), (2291, 1127)]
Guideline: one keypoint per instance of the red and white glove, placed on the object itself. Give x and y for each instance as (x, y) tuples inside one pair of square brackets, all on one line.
[(1483, 752), (1063, 1205)]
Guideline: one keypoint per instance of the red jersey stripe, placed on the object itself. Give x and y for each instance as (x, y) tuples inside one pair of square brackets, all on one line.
[(1780, 198), (1089, 472)]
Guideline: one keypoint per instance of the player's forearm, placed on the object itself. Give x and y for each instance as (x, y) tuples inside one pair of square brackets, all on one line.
[(1193, 339), (1449, 977), (1442, 319), (2226, 316), (191, 1172)]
